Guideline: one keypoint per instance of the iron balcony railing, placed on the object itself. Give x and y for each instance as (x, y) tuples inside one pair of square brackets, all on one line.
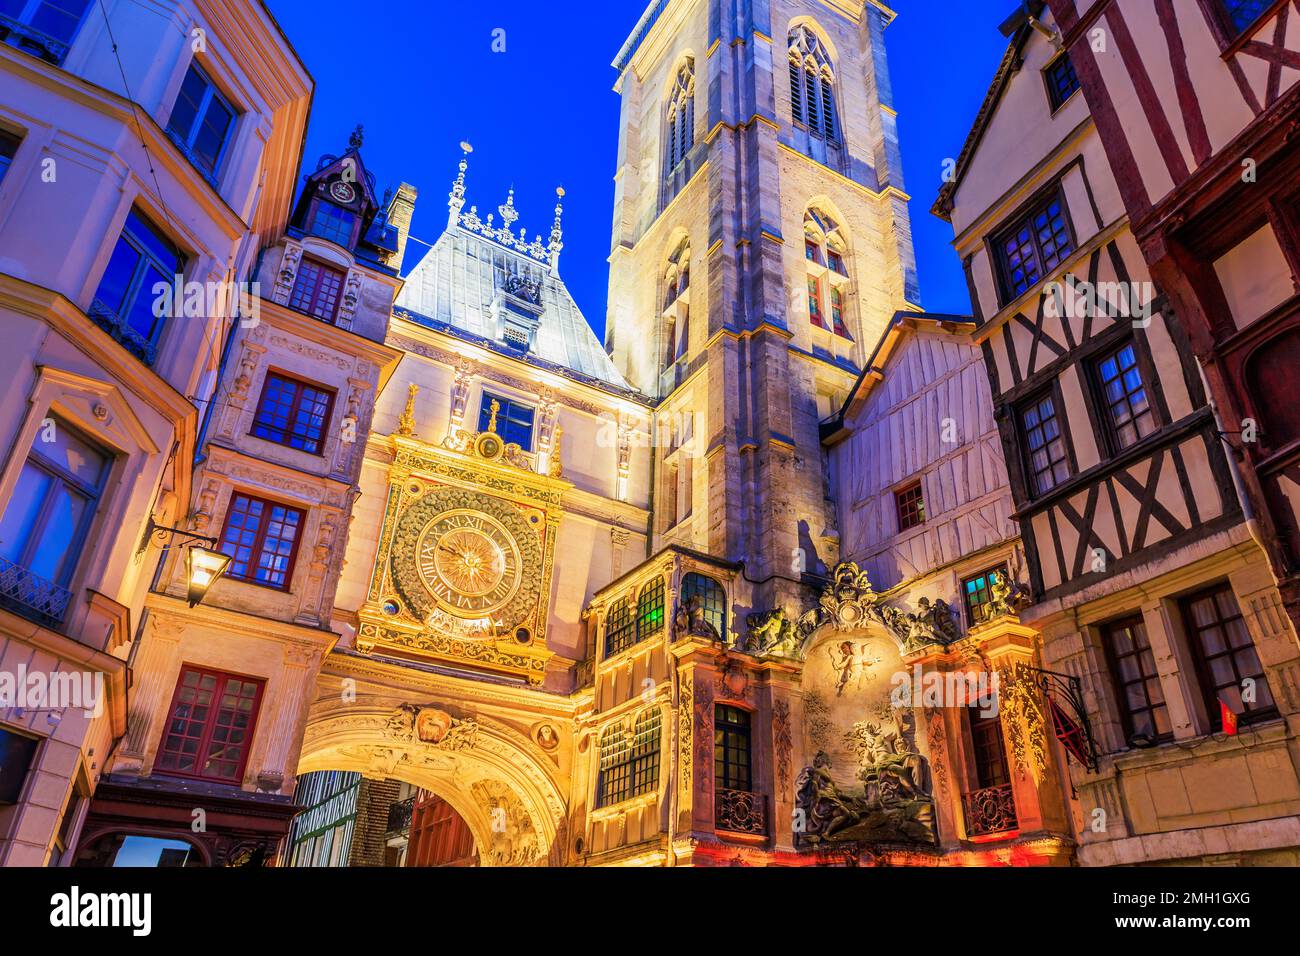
[(399, 815), (32, 596), (32, 41), (116, 326), (991, 810), (739, 811)]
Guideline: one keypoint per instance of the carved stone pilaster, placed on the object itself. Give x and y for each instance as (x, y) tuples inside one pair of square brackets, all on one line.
[(348, 302), (236, 398), (288, 273)]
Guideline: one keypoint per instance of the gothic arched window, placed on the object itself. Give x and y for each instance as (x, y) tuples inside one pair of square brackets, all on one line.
[(826, 254), (712, 596), (679, 132), (812, 85)]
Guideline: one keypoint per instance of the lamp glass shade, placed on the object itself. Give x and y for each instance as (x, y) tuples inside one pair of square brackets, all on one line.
[(203, 566)]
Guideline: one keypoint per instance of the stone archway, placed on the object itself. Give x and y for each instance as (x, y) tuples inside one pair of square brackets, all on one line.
[(486, 772)]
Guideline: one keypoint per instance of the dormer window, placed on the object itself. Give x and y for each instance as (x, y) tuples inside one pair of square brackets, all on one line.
[(334, 223)]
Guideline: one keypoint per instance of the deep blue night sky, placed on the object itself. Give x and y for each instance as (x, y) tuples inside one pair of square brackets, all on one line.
[(422, 75)]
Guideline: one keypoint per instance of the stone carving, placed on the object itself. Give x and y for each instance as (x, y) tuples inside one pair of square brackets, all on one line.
[(514, 838), (850, 601), (816, 721), (689, 621), (895, 805), (1023, 717), (685, 733), (937, 741), (348, 304), (431, 725), (522, 287), (782, 744), (1006, 596), (288, 273), (771, 634)]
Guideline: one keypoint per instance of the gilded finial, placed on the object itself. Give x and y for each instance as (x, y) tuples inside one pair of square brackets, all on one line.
[(556, 465), (492, 415), (406, 424)]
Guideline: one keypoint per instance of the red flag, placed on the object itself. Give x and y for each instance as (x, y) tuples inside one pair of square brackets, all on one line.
[(1228, 717)]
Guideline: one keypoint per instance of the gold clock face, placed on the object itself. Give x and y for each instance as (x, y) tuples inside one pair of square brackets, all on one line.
[(469, 562)]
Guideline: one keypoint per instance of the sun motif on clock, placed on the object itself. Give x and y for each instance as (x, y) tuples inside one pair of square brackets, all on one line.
[(463, 556), (470, 562)]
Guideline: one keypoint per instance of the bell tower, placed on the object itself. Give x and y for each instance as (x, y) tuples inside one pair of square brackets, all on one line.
[(761, 243)]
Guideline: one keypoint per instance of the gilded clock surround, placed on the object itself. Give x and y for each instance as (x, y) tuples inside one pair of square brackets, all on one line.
[(465, 557)]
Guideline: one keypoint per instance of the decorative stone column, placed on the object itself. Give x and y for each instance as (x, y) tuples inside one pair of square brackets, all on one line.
[(1027, 730)]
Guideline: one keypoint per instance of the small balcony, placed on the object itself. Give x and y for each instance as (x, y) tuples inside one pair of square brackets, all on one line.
[(399, 816), (739, 811), (33, 41), (118, 327), (990, 810), (32, 596)]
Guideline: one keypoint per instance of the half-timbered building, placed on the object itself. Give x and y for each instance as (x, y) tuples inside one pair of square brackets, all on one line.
[(1210, 185), (1149, 579)]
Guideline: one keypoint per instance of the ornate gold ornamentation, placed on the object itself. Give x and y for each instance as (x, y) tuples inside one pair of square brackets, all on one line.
[(469, 555), (431, 725), (1023, 716), (556, 464), (406, 424), (685, 714)]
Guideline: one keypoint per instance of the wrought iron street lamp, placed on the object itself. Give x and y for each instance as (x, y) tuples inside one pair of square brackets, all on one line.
[(203, 562)]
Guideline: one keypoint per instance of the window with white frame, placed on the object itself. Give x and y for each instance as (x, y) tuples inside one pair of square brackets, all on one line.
[(46, 520), (201, 121), (43, 28)]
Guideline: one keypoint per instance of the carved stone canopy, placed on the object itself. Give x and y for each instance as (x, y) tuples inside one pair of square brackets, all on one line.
[(849, 601)]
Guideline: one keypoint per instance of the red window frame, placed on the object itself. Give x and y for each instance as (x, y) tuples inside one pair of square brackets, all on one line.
[(313, 296), (258, 545), (298, 414), (815, 302), (209, 724)]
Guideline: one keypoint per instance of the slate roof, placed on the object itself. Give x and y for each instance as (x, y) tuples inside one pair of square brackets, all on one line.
[(454, 285)]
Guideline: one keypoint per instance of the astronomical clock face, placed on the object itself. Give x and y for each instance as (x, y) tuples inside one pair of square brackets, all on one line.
[(470, 562), (461, 556)]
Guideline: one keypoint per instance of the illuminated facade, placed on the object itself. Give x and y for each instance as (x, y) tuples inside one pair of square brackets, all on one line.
[(749, 583), (1153, 587)]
